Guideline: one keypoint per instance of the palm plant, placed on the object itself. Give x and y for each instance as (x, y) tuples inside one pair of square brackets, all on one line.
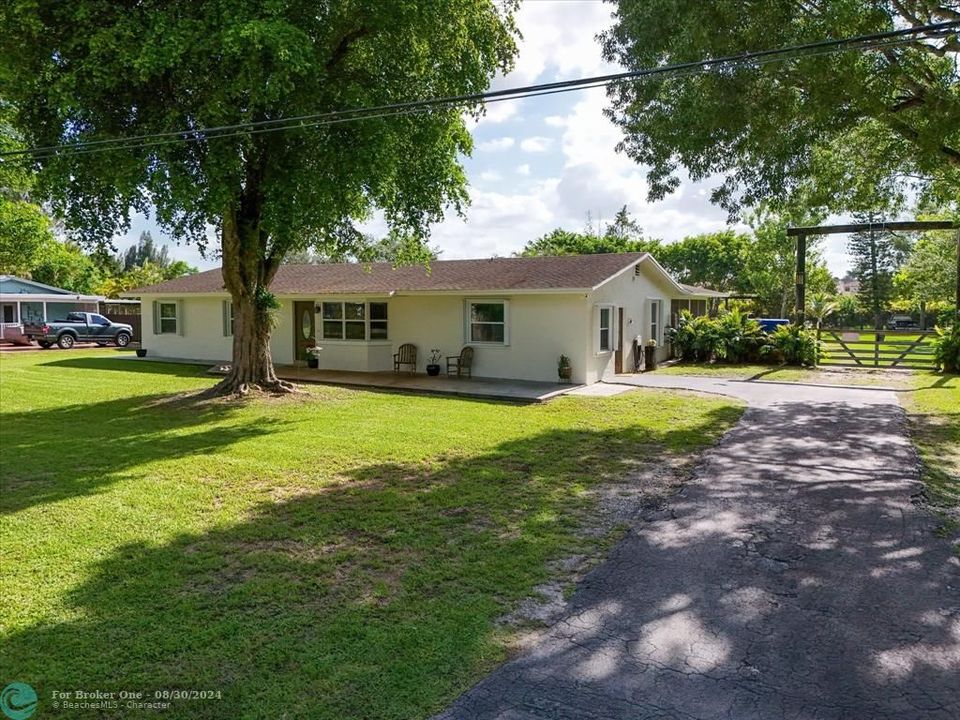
[(820, 307)]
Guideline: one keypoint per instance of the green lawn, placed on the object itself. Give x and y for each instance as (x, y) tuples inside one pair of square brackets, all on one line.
[(933, 405), (339, 554)]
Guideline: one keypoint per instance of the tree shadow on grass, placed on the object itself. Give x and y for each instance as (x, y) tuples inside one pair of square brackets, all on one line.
[(131, 364), (374, 598), (58, 453), (795, 580)]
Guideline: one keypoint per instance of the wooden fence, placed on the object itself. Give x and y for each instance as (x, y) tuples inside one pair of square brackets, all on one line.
[(907, 349)]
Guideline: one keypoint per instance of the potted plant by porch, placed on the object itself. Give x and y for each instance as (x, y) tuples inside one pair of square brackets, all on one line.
[(564, 369), (650, 355), (433, 367), (313, 357)]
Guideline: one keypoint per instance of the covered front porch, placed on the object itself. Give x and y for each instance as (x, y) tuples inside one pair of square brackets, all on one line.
[(483, 388)]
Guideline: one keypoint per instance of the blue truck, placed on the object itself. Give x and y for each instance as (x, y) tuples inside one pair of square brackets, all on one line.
[(79, 327)]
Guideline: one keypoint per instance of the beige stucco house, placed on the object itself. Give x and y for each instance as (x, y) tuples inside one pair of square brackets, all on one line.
[(519, 314)]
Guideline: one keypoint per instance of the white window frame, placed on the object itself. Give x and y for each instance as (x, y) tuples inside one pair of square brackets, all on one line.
[(655, 326), (468, 321), (342, 302), (175, 318), (228, 318), (613, 336)]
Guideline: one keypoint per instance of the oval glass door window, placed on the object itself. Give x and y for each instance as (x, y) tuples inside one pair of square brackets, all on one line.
[(306, 324)]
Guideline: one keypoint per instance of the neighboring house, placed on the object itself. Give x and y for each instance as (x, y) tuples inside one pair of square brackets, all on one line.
[(519, 314), (25, 301), (848, 285)]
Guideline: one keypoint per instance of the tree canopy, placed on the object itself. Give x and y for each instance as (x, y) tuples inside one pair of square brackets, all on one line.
[(89, 70), (846, 131), (930, 272), (25, 229)]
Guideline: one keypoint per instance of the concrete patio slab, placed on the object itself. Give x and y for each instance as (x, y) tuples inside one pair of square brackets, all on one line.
[(483, 388), (600, 389)]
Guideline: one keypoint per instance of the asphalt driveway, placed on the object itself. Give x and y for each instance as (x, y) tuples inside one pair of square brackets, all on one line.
[(794, 577)]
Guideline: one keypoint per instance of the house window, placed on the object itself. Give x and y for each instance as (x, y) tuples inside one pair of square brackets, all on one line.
[(605, 329), (168, 318), (350, 321), (655, 320), (227, 318), (487, 321), (378, 321)]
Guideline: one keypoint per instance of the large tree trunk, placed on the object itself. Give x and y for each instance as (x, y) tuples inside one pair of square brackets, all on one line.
[(248, 270)]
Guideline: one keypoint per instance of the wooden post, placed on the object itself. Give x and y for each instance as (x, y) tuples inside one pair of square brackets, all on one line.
[(958, 276), (801, 278)]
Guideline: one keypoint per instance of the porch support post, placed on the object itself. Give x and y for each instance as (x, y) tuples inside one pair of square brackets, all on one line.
[(801, 278)]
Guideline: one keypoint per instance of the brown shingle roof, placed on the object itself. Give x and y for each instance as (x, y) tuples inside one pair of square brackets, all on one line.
[(569, 272)]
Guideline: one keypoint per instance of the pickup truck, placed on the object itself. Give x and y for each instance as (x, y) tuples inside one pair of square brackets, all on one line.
[(79, 327)]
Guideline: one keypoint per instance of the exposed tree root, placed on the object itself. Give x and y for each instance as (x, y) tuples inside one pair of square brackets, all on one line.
[(231, 387)]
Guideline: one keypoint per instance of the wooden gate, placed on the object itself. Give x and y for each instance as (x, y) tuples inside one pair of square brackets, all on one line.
[(908, 349)]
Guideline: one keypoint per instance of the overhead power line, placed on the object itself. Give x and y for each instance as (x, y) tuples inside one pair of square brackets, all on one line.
[(754, 58)]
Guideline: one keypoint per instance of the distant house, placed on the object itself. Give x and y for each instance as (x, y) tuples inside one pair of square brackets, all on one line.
[(519, 314), (27, 301), (848, 285)]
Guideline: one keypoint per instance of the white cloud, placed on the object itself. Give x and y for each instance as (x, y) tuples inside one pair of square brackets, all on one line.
[(536, 144), (495, 114), (497, 144), (559, 37), (555, 120), (523, 169), (490, 176)]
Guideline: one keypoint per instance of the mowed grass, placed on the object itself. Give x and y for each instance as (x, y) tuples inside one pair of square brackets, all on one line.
[(933, 405), (340, 554)]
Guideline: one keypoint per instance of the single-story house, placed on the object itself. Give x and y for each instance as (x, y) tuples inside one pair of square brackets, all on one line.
[(519, 314), (25, 301)]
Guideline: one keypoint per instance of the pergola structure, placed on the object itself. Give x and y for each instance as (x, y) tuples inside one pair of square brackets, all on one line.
[(801, 234)]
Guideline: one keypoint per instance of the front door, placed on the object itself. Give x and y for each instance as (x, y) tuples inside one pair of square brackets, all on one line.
[(304, 329), (9, 313)]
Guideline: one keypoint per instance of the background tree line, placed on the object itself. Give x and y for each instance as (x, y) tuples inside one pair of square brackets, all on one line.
[(896, 272)]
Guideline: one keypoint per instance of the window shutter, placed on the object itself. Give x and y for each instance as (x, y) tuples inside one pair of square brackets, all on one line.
[(596, 329), (156, 317), (615, 327), (180, 317), (226, 318)]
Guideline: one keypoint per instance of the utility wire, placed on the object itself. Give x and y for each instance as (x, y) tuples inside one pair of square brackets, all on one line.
[(755, 58)]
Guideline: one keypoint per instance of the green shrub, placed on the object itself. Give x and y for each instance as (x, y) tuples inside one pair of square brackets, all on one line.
[(730, 337), (738, 337), (946, 348), (695, 338), (792, 345)]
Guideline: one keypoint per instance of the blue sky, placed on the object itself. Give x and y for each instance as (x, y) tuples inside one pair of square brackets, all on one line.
[(542, 163)]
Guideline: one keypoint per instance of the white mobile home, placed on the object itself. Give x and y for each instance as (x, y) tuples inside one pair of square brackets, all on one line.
[(518, 314)]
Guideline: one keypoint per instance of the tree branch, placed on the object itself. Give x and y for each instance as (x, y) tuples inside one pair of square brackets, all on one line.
[(343, 47)]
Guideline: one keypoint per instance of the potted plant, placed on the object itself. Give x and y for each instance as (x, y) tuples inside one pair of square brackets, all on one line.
[(564, 369), (650, 355), (313, 357), (141, 352), (433, 367)]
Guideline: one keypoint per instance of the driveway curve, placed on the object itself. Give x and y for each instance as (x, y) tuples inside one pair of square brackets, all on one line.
[(794, 577)]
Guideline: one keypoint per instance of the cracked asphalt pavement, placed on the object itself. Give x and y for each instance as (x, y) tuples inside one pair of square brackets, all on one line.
[(794, 577)]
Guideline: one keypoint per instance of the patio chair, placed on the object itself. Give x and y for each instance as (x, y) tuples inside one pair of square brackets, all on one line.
[(406, 355), (461, 364)]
